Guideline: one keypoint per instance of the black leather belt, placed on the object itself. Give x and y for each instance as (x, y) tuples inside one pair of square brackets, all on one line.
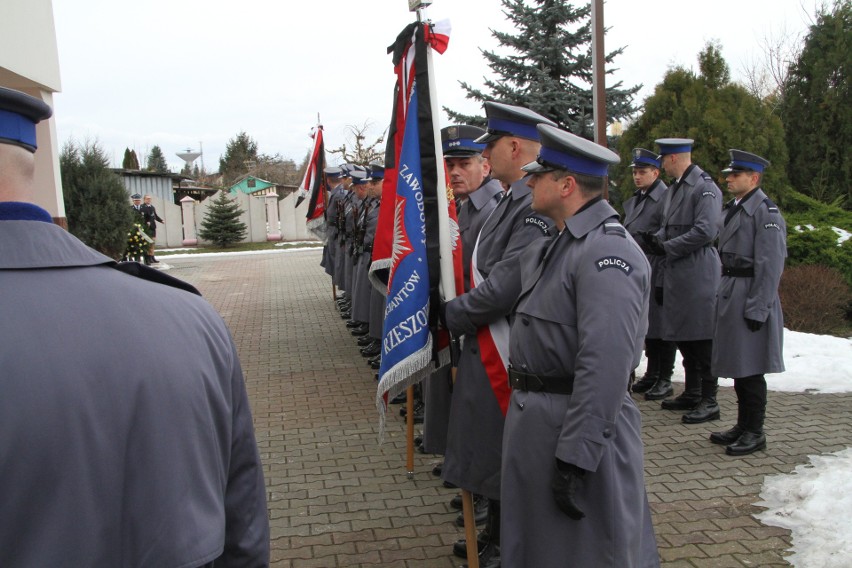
[(742, 272), (538, 383)]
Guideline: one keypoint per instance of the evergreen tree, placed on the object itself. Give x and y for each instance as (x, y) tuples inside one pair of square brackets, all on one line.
[(550, 70), (239, 152), (96, 203), (717, 114), (130, 162), (816, 109), (221, 224), (157, 161)]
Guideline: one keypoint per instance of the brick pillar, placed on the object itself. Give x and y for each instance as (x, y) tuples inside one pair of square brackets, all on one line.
[(187, 205)]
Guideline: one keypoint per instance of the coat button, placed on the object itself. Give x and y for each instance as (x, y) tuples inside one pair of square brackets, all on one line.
[(525, 321), (607, 433)]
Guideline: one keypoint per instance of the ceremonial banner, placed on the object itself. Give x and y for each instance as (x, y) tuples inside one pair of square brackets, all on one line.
[(413, 211), (313, 186)]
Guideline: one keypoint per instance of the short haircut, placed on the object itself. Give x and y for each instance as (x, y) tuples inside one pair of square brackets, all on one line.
[(590, 186)]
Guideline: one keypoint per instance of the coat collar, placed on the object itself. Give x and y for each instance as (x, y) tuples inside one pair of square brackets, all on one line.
[(583, 222), (485, 193), (33, 244)]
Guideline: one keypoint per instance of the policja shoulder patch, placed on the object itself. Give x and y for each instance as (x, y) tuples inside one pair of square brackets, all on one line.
[(613, 262), (538, 222)]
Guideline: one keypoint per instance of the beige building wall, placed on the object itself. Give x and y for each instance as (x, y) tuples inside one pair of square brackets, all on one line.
[(29, 62)]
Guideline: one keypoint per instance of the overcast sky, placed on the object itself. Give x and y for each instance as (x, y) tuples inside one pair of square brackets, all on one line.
[(185, 73)]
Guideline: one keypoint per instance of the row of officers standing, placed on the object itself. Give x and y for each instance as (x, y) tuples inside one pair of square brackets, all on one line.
[(560, 300)]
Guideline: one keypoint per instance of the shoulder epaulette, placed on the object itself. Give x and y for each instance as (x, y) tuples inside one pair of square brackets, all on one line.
[(770, 205), (153, 275), (615, 229), (706, 177)]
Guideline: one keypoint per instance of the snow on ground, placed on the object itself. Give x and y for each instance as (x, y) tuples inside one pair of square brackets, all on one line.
[(814, 503)]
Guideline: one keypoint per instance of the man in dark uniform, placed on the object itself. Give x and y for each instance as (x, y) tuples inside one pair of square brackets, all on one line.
[(371, 343), (360, 283), (476, 194), (332, 176), (643, 214), (749, 334), (692, 215), (106, 459), (150, 219), (573, 481), (343, 203), (480, 395)]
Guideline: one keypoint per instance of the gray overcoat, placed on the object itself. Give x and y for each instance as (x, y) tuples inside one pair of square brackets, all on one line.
[(437, 387), (332, 244), (340, 256), (474, 439), (581, 314), (692, 212), (645, 216), (755, 237), (126, 437), (353, 205), (361, 287)]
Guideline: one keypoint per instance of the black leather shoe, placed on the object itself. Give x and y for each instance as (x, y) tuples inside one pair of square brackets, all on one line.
[(707, 410), (154, 260), (360, 331), (439, 467), (480, 512), (376, 363), (460, 546), (644, 384), (748, 443), (661, 389), (418, 406), (489, 557), (400, 399), (345, 314), (682, 402), (418, 419), (727, 437), (456, 503), (365, 341), (371, 351), (352, 324)]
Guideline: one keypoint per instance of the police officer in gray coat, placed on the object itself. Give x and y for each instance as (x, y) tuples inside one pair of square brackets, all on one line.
[(643, 214), (573, 490), (106, 459), (749, 323), (332, 176), (476, 194), (481, 391), (692, 215)]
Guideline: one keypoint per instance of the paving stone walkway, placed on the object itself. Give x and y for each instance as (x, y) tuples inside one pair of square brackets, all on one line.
[(337, 498)]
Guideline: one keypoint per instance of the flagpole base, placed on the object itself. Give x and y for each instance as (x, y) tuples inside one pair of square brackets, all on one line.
[(409, 475)]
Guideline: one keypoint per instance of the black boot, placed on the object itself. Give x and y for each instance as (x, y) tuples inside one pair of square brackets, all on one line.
[(732, 435), (661, 389), (753, 438), (691, 395), (147, 260), (652, 371), (489, 555), (480, 512), (708, 408), (748, 443)]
